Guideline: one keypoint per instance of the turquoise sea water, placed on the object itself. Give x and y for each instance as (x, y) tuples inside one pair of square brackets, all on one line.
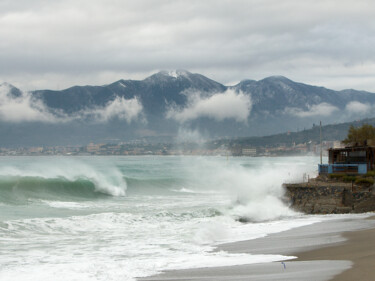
[(118, 218)]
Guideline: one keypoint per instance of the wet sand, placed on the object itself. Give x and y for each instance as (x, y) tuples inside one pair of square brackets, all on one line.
[(359, 248), (342, 249)]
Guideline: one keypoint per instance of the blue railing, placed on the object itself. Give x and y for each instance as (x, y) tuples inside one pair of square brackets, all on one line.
[(342, 168)]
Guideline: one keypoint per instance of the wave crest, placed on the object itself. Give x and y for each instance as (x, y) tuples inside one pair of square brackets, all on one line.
[(62, 179)]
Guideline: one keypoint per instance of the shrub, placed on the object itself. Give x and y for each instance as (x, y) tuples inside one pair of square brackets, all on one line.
[(336, 176), (367, 181), (370, 174), (349, 178)]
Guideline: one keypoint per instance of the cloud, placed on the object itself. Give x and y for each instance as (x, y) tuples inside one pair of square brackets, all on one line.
[(322, 109), (73, 42), (227, 105), (23, 108), (120, 108), (26, 108), (356, 107)]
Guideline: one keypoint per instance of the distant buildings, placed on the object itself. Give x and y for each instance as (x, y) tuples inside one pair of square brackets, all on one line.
[(249, 152), (93, 148), (209, 148)]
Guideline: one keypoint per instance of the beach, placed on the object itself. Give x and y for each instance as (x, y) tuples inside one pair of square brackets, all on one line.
[(359, 249), (341, 249)]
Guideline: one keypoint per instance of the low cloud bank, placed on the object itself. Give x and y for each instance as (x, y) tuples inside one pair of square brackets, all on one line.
[(321, 109), (227, 105), (22, 108), (325, 109), (26, 108), (356, 107), (123, 109)]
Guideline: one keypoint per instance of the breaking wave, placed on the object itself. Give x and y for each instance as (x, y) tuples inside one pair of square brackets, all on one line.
[(63, 180), (255, 188), (21, 189)]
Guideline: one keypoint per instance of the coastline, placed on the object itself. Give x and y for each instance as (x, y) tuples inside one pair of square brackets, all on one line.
[(359, 248), (340, 249)]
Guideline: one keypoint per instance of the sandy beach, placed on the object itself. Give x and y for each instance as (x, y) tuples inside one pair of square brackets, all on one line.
[(339, 249), (359, 248)]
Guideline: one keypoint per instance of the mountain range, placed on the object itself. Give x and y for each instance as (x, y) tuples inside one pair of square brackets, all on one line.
[(169, 105)]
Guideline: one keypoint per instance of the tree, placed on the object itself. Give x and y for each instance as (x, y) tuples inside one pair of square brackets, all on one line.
[(360, 135)]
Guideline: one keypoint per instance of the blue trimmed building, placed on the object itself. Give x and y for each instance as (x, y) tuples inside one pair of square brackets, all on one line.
[(349, 160)]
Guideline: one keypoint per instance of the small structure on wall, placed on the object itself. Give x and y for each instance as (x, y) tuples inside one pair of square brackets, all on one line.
[(349, 160)]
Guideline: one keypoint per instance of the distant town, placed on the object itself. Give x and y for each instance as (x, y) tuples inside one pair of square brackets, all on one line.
[(212, 148)]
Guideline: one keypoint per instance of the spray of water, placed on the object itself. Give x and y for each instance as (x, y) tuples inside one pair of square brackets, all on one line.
[(255, 190)]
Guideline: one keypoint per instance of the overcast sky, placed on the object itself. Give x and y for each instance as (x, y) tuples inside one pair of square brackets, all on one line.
[(57, 44)]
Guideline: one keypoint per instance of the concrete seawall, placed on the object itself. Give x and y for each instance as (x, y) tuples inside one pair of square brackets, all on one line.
[(319, 197)]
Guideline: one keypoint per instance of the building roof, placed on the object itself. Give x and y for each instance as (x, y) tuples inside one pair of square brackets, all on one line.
[(352, 148)]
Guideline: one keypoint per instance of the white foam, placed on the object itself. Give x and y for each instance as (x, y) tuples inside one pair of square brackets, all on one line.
[(66, 204), (108, 246), (222, 259), (184, 190), (187, 190), (225, 230)]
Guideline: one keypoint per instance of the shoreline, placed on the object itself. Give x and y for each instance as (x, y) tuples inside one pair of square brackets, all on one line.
[(338, 249), (358, 249)]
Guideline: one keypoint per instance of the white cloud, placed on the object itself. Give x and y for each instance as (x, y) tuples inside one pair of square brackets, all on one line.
[(90, 42), (22, 108), (227, 105), (128, 110), (321, 109), (26, 108), (356, 107)]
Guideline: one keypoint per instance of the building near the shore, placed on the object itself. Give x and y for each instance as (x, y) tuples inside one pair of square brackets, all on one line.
[(249, 151), (34, 150), (349, 160)]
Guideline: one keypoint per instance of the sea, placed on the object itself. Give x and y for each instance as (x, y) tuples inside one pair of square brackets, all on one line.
[(119, 218)]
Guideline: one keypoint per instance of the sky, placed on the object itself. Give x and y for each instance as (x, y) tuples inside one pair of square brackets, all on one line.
[(57, 44)]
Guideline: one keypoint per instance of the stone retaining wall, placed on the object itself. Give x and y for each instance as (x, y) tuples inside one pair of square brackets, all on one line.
[(328, 198)]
